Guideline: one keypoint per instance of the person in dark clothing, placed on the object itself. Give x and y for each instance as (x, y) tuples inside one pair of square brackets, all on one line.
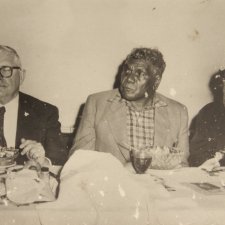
[(207, 131), (29, 123)]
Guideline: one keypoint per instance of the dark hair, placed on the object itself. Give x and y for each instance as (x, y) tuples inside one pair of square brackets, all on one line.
[(152, 56), (216, 85)]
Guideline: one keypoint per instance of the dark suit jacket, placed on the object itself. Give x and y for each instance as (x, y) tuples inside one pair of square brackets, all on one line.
[(103, 126), (208, 134), (38, 120)]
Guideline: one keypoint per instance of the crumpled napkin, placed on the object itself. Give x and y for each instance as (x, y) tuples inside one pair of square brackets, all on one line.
[(213, 163), (24, 186), (95, 188)]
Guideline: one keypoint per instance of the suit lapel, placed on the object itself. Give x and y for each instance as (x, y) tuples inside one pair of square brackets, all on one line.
[(24, 119), (162, 125), (116, 118), (19, 124)]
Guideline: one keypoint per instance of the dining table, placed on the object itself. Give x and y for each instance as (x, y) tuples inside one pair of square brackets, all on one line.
[(195, 196), (184, 196), (27, 214)]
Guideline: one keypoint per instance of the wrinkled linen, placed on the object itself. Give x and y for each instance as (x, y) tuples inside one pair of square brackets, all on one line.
[(96, 189), (188, 205), (25, 186)]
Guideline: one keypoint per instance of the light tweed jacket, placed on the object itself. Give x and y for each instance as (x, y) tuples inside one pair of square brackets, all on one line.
[(103, 126)]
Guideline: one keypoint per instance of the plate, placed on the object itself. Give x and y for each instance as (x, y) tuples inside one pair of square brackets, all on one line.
[(10, 160)]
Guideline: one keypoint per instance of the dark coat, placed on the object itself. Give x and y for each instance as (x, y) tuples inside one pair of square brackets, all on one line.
[(38, 120), (207, 134)]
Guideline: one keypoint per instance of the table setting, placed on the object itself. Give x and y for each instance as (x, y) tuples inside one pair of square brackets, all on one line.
[(196, 195), (95, 188), (25, 184)]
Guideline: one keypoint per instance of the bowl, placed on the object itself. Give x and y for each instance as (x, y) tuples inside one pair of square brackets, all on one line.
[(8, 156)]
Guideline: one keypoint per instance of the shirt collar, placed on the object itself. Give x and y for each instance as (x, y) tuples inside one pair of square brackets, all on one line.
[(13, 104), (157, 101)]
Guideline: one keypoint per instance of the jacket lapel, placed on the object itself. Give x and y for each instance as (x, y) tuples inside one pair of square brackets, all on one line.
[(23, 120), (116, 118), (162, 123)]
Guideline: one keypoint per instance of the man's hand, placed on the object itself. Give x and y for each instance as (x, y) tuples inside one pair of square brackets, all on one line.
[(213, 163), (34, 150)]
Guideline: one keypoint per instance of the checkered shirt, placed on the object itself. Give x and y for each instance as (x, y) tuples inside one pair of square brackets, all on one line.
[(140, 124)]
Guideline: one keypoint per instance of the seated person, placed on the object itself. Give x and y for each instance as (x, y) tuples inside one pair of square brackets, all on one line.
[(29, 124), (135, 116), (208, 129)]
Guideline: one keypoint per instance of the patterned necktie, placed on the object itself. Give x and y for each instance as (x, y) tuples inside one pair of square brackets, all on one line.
[(2, 137)]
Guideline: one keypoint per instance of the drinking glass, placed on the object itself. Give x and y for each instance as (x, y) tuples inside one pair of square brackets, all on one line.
[(140, 159)]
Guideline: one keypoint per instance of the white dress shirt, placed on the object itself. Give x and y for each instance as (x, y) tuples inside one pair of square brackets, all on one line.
[(10, 121)]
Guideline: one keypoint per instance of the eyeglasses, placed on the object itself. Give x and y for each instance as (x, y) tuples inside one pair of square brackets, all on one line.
[(7, 71)]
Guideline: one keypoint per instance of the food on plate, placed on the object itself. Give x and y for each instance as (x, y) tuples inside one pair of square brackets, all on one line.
[(8, 155)]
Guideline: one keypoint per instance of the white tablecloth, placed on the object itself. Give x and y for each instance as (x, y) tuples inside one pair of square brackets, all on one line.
[(187, 203), (96, 189)]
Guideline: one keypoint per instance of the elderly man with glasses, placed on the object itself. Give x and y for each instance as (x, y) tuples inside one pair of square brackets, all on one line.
[(28, 123)]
